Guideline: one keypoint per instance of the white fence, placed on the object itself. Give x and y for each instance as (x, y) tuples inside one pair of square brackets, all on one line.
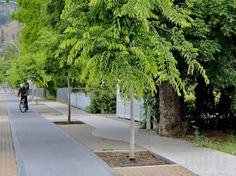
[(36, 93), (82, 100), (79, 98), (40, 92), (123, 108), (62, 95)]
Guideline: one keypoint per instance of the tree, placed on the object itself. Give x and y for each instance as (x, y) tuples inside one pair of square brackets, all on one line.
[(128, 43), (214, 33), (44, 62), (14, 74), (30, 65), (9, 52), (2, 77)]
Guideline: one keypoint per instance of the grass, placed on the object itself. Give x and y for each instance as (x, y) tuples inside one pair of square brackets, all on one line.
[(50, 97), (226, 144)]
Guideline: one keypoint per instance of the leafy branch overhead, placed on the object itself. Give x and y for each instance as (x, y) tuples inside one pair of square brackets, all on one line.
[(176, 46), (124, 42)]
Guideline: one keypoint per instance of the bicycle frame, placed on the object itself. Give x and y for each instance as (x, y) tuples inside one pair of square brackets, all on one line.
[(22, 106)]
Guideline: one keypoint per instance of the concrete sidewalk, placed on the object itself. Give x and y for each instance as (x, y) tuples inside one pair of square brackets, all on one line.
[(7, 155), (43, 149), (205, 162)]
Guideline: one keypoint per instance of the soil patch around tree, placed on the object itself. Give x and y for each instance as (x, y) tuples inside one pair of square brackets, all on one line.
[(121, 159), (66, 123)]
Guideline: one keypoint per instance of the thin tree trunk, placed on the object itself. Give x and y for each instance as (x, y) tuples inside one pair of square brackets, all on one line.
[(132, 128), (69, 101), (36, 96), (148, 125), (170, 111)]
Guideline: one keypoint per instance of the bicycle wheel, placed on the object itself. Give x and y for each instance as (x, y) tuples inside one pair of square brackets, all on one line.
[(22, 106)]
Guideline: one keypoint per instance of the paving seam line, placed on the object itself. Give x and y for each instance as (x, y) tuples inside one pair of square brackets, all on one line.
[(153, 166), (12, 143)]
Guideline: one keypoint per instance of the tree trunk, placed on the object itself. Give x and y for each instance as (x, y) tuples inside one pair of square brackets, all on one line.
[(132, 128), (148, 126), (69, 101), (170, 111)]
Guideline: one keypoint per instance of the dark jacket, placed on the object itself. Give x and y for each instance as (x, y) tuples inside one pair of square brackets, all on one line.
[(22, 91)]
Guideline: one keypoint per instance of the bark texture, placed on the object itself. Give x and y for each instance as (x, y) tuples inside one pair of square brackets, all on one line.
[(170, 111)]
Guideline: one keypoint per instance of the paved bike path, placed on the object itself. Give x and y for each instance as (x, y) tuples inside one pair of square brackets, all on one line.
[(42, 149), (202, 161)]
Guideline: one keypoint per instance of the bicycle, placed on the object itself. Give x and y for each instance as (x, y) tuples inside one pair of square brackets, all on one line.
[(22, 106)]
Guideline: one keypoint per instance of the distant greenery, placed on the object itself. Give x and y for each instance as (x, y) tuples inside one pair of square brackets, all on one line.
[(2, 77)]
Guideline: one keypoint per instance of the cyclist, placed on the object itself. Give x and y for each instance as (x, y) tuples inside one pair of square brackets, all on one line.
[(23, 92)]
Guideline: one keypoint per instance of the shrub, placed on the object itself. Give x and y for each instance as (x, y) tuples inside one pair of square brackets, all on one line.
[(103, 101)]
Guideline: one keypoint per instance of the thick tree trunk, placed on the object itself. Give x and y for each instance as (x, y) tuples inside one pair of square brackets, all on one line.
[(170, 111)]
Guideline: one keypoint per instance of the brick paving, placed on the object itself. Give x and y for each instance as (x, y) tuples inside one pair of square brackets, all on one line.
[(7, 155), (166, 170)]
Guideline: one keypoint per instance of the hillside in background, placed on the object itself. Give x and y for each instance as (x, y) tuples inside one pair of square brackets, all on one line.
[(5, 10), (8, 29)]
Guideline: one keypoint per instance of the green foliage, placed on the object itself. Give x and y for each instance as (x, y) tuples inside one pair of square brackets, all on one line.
[(233, 103), (41, 59), (1, 71), (153, 102), (213, 33), (13, 77), (9, 52), (103, 100), (136, 44), (129, 42), (143, 123), (197, 137), (30, 65), (189, 108)]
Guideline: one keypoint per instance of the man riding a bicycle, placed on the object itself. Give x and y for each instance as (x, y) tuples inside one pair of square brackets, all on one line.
[(23, 92)]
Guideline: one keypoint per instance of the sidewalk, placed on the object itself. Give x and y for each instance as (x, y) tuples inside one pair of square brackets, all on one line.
[(7, 155), (43, 149), (202, 161)]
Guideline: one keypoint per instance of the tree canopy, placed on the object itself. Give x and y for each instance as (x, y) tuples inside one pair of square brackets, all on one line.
[(129, 42), (136, 44)]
